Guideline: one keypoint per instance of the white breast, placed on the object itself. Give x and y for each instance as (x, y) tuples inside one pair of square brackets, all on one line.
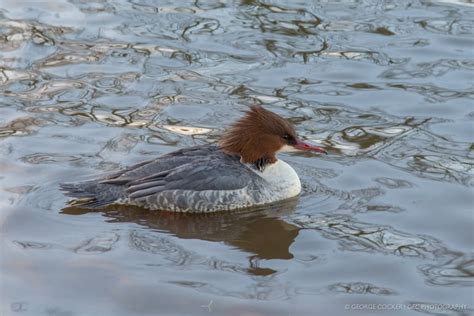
[(282, 179)]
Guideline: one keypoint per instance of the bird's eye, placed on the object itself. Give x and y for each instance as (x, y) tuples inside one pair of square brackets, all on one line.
[(286, 137)]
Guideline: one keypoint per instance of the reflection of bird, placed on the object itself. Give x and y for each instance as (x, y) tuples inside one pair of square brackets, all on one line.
[(259, 231), (241, 171)]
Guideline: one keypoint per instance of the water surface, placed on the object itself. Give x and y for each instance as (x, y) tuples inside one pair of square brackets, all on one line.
[(384, 220)]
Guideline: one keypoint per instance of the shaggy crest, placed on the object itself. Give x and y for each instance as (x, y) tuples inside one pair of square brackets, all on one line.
[(257, 136)]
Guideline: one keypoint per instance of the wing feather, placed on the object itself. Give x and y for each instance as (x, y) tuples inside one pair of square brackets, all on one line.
[(200, 175)]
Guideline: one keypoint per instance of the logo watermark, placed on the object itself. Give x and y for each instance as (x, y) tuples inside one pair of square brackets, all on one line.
[(410, 306)]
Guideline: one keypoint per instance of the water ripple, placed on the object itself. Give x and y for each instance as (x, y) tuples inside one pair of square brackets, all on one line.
[(359, 288), (21, 126), (359, 236), (450, 268), (456, 270), (99, 244)]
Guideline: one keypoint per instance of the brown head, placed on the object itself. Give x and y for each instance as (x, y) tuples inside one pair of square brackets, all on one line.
[(260, 134)]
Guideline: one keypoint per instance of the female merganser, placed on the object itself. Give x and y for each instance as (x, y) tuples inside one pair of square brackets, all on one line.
[(241, 171)]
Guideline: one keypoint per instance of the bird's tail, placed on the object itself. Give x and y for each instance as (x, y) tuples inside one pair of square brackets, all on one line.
[(93, 194)]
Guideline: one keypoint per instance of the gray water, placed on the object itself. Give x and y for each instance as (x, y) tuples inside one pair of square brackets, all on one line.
[(384, 225)]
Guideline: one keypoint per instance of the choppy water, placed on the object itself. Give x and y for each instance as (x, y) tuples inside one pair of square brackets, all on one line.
[(385, 220)]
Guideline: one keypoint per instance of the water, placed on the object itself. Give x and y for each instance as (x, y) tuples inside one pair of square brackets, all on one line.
[(384, 222)]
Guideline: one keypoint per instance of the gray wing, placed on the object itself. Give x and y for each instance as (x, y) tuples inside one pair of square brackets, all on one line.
[(204, 185), (200, 175)]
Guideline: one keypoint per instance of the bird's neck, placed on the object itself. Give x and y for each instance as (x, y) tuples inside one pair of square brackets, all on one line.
[(261, 163)]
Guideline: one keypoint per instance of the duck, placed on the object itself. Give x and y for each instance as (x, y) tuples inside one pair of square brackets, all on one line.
[(240, 171)]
